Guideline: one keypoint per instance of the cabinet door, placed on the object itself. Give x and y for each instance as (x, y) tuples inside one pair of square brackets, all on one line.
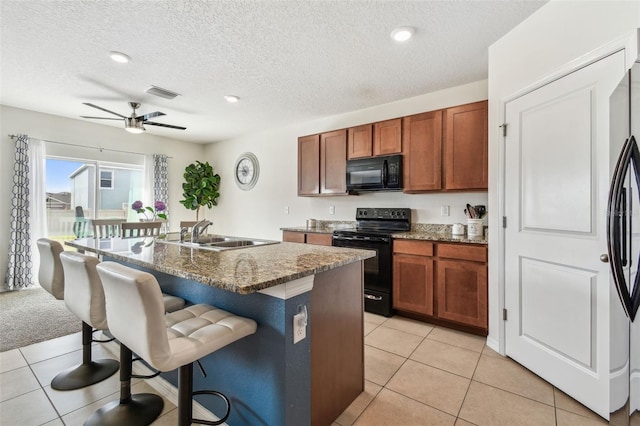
[(360, 141), (466, 147), (387, 137), (422, 145), (333, 162), (462, 292), (319, 239), (293, 237), (309, 165), (413, 283)]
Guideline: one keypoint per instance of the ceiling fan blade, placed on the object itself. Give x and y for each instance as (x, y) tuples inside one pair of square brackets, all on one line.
[(153, 123), (145, 117), (101, 118), (103, 109)]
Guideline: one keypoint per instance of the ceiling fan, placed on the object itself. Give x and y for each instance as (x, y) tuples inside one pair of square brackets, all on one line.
[(133, 123)]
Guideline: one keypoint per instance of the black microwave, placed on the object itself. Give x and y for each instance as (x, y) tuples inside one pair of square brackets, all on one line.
[(375, 174)]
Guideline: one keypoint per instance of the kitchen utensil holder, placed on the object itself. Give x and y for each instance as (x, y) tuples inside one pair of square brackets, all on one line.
[(475, 228)]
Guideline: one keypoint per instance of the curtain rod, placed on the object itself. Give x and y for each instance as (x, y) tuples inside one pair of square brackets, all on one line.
[(89, 147)]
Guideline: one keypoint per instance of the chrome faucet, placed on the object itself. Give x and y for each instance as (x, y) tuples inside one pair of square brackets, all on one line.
[(199, 229)]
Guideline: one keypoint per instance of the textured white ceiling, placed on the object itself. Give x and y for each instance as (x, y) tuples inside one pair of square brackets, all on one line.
[(288, 61)]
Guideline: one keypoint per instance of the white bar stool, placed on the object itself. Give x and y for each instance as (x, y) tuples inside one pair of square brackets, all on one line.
[(136, 318), (85, 299)]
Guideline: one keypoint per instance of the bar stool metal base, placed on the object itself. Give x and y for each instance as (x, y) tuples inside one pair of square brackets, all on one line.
[(89, 372), (142, 409), (84, 375)]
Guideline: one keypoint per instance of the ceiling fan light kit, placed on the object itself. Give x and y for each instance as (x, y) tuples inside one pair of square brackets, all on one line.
[(132, 125)]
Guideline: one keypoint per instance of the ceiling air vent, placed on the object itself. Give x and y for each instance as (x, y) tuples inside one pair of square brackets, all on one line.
[(163, 93)]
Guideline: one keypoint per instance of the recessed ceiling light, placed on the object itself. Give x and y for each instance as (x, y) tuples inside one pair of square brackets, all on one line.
[(119, 57), (402, 33), (232, 98)]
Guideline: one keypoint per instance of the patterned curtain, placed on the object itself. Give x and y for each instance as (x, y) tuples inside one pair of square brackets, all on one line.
[(19, 273), (161, 182)]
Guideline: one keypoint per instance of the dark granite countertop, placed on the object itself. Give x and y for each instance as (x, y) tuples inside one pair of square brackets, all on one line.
[(419, 231), (243, 271)]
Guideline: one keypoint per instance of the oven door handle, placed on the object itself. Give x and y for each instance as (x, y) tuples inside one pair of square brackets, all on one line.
[(371, 297), (363, 239)]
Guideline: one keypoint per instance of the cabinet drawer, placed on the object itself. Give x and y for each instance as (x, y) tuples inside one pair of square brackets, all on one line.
[(419, 248), (293, 237), (463, 252), (319, 239)]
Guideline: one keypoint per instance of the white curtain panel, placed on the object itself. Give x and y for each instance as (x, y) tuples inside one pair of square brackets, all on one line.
[(37, 198), (147, 191)]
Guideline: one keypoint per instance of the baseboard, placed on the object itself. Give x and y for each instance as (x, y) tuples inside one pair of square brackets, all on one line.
[(162, 386)]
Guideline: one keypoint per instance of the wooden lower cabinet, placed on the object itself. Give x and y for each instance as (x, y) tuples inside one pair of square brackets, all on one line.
[(462, 292), (413, 283), (442, 281), (307, 237)]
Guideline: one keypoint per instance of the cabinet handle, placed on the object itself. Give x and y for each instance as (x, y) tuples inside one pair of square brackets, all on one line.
[(368, 296)]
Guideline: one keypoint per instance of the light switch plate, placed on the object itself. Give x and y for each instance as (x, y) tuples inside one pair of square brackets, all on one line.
[(332, 209), (444, 211)]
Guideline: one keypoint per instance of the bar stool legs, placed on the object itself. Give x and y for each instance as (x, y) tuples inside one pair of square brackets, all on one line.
[(137, 409), (87, 373), (185, 399)]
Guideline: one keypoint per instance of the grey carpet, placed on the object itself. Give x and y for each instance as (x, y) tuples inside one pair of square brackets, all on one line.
[(31, 316)]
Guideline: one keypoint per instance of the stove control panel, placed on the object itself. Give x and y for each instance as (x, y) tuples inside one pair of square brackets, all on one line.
[(397, 214)]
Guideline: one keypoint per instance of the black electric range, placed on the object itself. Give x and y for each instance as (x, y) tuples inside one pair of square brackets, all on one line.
[(374, 227)]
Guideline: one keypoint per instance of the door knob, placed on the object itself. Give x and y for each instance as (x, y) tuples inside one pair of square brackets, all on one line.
[(604, 258)]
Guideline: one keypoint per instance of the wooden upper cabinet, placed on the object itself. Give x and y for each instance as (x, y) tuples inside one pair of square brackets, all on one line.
[(422, 144), (333, 162), (387, 137), (309, 165), (466, 147), (360, 141)]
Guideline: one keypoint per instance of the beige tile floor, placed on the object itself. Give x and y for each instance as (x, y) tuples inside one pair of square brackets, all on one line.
[(416, 374), (420, 374)]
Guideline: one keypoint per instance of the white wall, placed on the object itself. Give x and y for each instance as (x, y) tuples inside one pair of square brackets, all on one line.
[(558, 33), (59, 129), (260, 211)]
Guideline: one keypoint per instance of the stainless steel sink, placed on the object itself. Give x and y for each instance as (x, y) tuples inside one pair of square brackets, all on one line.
[(219, 242)]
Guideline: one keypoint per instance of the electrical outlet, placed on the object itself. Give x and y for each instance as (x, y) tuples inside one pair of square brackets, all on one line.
[(286, 209), (444, 211), (332, 209), (299, 327)]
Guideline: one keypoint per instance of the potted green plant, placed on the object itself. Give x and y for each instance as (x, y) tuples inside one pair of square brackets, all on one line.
[(200, 187)]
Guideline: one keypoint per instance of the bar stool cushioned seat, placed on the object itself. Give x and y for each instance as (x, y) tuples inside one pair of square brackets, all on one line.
[(136, 318)]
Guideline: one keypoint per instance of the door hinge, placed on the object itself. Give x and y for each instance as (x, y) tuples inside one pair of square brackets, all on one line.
[(504, 221), (504, 314), (504, 129)]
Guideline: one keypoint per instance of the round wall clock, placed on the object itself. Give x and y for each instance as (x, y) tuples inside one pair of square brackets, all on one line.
[(247, 171)]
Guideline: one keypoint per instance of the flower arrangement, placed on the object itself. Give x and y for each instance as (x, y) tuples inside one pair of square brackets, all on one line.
[(158, 207)]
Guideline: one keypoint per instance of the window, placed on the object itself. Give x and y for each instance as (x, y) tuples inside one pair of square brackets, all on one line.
[(106, 179), (81, 190)]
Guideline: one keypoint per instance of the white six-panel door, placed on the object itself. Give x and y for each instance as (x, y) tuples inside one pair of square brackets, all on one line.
[(557, 291)]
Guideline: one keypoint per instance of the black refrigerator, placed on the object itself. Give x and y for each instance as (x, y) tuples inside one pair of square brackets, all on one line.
[(623, 240)]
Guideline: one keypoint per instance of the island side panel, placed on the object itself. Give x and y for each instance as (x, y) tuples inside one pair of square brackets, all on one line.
[(337, 341), (266, 377)]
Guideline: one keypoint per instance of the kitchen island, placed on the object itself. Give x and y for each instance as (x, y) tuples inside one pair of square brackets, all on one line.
[(269, 379)]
